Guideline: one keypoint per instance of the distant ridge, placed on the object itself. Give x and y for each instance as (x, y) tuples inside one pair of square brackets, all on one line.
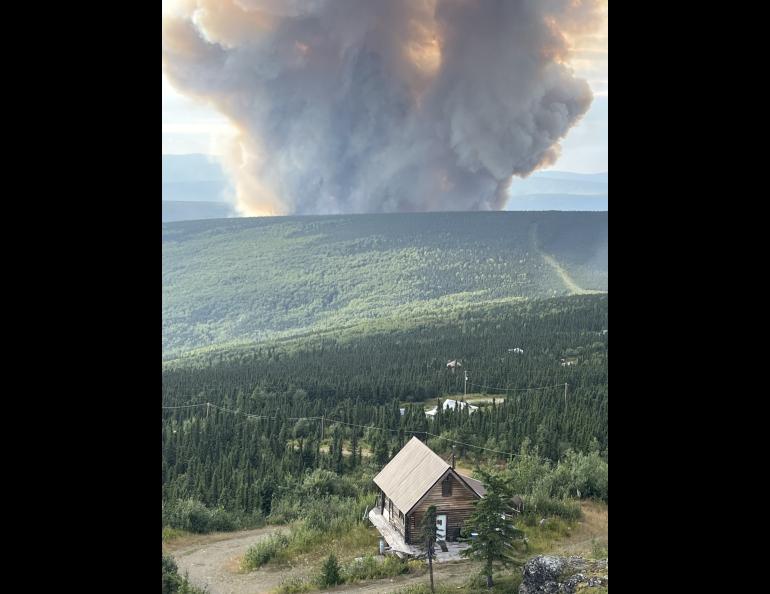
[(191, 211), (249, 279), (200, 178)]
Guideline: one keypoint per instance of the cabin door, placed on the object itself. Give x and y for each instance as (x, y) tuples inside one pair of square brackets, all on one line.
[(441, 527)]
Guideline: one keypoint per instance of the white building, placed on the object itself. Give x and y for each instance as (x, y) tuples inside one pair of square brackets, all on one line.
[(451, 404)]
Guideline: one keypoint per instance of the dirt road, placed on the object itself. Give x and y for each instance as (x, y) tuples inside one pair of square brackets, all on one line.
[(212, 561), (565, 277)]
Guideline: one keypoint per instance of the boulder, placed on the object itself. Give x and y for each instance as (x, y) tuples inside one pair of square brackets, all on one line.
[(548, 574)]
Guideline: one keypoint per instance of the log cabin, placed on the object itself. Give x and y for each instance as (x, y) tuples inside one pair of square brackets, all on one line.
[(417, 478)]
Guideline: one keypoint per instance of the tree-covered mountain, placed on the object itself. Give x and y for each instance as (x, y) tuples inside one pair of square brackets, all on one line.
[(263, 431), (318, 342), (590, 202), (238, 281)]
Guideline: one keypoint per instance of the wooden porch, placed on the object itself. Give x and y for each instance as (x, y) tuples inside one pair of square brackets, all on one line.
[(402, 549)]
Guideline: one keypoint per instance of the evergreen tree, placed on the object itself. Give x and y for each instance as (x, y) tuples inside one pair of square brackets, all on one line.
[(498, 540), (381, 449), (330, 573), (428, 530), (354, 451)]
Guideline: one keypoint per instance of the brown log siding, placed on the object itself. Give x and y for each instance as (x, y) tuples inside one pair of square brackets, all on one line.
[(458, 507)]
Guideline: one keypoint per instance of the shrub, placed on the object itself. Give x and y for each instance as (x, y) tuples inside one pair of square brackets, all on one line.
[(171, 579), (173, 583), (284, 511), (541, 505), (222, 521), (330, 514), (370, 568), (415, 566), (195, 516), (580, 475), (324, 483), (260, 553), (171, 533), (330, 573)]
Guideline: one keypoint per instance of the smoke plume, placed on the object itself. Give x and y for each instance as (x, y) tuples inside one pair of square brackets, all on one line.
[(382, 105)]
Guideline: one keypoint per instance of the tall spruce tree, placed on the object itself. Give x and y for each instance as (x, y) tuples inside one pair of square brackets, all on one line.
[(498, 541)]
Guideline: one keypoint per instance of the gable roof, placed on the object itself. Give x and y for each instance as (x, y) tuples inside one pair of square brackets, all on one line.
[(411, 472), (476, 485)]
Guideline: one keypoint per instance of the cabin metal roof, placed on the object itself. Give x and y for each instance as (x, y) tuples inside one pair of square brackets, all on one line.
[(477, 486), (411, 472)]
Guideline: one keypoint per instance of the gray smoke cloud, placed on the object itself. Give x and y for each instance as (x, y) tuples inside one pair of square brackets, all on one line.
[(382, 105)]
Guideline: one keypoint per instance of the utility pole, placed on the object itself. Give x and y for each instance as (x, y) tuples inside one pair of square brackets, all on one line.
[(465, 389), (565, 397), (208, 405)]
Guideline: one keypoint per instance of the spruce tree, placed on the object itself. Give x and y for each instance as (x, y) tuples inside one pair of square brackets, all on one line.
[(498, 540), (428, 530), (330, 573)]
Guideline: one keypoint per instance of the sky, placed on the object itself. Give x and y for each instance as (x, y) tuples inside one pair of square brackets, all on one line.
[(190, 126)]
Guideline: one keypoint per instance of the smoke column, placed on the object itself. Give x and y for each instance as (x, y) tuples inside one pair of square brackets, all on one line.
[(382, 105)]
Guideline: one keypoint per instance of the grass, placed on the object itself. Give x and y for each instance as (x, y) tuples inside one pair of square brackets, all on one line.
[(172, 534), (264, 551), (371, 568), (296, 585), (358, 570), (305, 546), (477, 584), (308, 548), (599, 550), (543, 537)]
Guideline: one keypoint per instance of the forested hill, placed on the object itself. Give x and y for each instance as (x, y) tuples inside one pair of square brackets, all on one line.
[(238, 281)]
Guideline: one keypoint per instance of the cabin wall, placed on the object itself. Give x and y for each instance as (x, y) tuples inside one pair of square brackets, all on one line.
[(396, 519), (458, 507)]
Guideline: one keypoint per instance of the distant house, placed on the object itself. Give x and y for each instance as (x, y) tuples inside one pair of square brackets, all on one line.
[(517, 351), (417, 478), (453, 405), (568, 361), (453, 365)]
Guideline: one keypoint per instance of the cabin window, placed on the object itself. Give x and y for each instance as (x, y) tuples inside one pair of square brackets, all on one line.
[(446, 487)]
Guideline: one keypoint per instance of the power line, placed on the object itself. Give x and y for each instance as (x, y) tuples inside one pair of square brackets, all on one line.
[(517, 389), (237, 412), (186, 405), (470, 445), (323, 417)]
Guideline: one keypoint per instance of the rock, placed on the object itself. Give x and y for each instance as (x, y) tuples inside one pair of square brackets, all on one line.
[(548, 574)]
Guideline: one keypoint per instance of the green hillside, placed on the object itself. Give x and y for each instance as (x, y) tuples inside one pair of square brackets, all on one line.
[(237, 281)]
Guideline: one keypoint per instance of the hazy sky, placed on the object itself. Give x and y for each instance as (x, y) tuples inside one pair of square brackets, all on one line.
[(192, 127)]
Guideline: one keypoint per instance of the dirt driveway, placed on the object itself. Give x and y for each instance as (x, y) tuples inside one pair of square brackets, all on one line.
[(212, 561)]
